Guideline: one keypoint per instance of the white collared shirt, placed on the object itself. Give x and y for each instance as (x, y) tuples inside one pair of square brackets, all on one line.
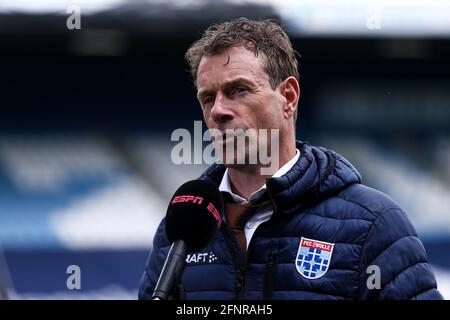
[(263, 214)]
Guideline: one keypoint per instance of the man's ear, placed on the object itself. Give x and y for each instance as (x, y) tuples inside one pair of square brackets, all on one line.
[(290, 89)]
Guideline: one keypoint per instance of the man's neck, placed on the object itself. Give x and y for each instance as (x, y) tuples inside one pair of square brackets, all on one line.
[(245, 180)]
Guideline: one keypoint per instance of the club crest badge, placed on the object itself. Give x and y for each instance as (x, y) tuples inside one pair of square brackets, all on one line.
[(313, 258)]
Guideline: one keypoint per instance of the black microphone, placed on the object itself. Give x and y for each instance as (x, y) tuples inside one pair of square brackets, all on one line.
[(193, 216)]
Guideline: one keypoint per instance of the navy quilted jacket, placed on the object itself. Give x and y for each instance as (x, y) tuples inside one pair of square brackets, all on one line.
[(351, 228)]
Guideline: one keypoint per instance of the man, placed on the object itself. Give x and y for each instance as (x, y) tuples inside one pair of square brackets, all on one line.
[(310, 230)]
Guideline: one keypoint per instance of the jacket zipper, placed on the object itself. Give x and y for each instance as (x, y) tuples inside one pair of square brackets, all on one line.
[(240, 275), (268, 276)]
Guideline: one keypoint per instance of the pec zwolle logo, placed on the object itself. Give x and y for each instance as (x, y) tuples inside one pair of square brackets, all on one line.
[(313, 258)]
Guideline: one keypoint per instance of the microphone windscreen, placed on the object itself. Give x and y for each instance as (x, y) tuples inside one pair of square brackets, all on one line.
[(194, 214)]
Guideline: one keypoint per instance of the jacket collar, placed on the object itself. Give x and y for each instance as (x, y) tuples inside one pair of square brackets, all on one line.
[(317, 174)]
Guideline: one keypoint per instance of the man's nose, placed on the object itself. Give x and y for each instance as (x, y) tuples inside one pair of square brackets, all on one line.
[(220, 111)]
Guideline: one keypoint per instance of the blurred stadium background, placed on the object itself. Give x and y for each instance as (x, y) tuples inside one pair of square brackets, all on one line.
[(86, 118)]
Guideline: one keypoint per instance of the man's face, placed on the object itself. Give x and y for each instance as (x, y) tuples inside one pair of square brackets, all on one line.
[(235, 93)]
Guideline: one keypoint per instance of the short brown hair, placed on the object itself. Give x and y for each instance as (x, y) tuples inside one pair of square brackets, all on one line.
[(266, 36)]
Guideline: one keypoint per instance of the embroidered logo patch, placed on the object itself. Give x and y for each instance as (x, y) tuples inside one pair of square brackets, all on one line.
[(313, 258)]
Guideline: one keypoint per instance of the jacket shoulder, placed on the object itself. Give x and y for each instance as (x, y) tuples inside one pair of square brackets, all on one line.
[(372, 201)]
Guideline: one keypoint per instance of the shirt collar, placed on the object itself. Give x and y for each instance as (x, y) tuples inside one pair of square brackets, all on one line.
[(225, 185)]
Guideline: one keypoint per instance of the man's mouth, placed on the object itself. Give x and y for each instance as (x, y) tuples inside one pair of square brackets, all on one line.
[(230, 135)]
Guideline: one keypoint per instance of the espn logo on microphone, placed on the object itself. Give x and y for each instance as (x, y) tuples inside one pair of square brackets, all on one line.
[(215, 213), (198, 200), (187, 198)]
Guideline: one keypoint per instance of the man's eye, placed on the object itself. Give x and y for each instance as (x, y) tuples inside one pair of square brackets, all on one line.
[(208, 100), (238, 89)]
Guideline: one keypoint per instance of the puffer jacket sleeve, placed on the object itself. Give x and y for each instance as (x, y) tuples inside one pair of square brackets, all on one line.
[(155, 263), (393, 250)]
